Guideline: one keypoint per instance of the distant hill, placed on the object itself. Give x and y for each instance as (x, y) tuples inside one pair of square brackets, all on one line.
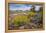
[(18, 11)]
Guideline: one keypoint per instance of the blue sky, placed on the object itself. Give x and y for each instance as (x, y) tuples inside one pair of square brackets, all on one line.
[(20, 7)]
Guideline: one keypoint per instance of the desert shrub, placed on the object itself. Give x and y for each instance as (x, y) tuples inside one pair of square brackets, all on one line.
[(20, 20)]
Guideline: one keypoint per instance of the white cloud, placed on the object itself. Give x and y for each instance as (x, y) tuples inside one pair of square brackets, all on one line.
[(21, 8), (37, 7)]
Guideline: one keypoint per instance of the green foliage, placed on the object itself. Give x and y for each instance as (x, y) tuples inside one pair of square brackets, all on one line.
[(20, 20)]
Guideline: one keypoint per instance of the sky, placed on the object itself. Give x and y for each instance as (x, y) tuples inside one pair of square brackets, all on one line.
[(20, 7), (23, 7)]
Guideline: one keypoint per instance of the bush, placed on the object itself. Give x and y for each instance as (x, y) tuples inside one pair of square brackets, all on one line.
[(20, 20)]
